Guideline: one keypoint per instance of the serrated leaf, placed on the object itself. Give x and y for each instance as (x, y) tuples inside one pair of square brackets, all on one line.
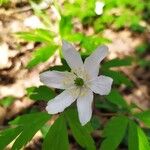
[(57, 138), (80, 133), (8, 135), (116, 98), (144, 117), (30, 123), (40, 93), (118, 62), (114, 132), (38, 35), (41, 55), (137, 139), (118, 77)]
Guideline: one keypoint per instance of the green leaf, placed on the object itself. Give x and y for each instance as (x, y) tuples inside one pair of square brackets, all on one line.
[(132, 136), (90, 43), (118, 62), (116, 98), (45, 130), (38, 35), (114, 132), (137, 139), (144, 117), (65, 26), (141, 49), (74, 37), (26, 119), (95, 122), (43, 15), (57, 138), (31, 124), (80, 133), (102, 103), (143, 140), (118, 77), (40, 93), (137, 28), (42, 54), (7, 101), (144, 62), (8, 135)]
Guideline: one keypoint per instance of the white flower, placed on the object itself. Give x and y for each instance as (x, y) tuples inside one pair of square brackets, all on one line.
[(99, 7), (78, 84)]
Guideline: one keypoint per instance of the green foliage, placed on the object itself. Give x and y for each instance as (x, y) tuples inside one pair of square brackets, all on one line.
[(45, 130), (78, 9), (137, 139), (95, 122), (137, 28), (57, 137), (8, 135), (7, 101), (65, 26), (127, 61), (4, 2), (40, 93), (37, 35), (144, 117), (105, 105), (80, 133), (118, 77), (114, 132), (132, 136), (41, 55), (120, 14), (26, 128), (30, 127), (141, 50), (43, 15), (90, 43), (116, 98)]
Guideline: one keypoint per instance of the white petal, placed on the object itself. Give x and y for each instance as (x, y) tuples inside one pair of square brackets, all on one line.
[(72, 57), (60, 102), (101, 85), (92, 63), (57, 79), (84, 105)]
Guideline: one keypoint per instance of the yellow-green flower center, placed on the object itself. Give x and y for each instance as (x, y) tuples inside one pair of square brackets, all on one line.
[(79, 82)]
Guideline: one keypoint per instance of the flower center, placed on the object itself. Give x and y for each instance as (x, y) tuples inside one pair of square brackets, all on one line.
[(79, 82)]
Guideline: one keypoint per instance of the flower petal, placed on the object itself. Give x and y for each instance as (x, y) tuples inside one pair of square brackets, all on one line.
[(57, 79), (92, 62), (84, 105), (101, 85), (72, 57), (60, 102)]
